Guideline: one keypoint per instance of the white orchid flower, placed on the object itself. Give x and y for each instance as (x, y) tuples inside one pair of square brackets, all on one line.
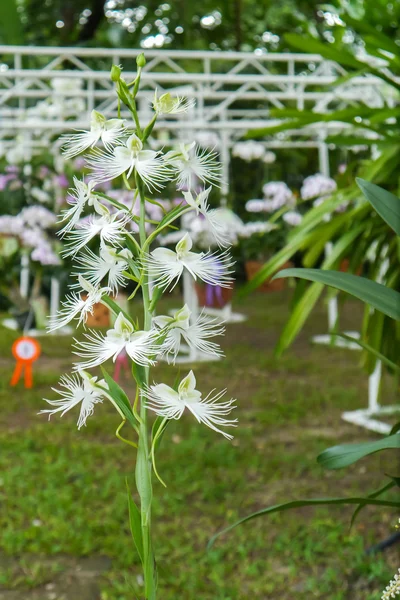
[(110, 132), (178, 328), (140, 346), (149, 165), (190, 162), (80, 196), (109, 263), (212, 216), (167, 104), (77, 304), (166, 266), (170, 404), (110, 228), (78, 389)]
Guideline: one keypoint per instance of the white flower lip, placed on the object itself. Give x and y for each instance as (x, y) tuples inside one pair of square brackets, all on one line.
[(150, 165), (110, 132), (75, 305), (166, 266), (171, 404), (141, 346), (77, 389), (200, 204), (110, 228), (196, 334), (172, 105), (190, 162), (81, 195), (109, 263)]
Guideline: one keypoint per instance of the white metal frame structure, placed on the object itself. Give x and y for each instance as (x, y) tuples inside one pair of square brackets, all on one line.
[(234, 93)]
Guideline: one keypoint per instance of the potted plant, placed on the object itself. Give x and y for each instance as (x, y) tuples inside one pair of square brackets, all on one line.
[(259, 240)]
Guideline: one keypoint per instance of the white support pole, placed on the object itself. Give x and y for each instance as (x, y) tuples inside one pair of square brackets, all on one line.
[(54, 297), (225, 162), (374, 382), (24, 276), (323, 156)]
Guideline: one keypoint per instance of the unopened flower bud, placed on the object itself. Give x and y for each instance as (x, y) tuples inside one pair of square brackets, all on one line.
[(140, 60), (115, 73)]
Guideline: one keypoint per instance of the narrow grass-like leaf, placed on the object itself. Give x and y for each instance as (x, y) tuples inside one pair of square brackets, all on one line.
[(301, 503), (116, 309), (375, 494), (120, 398), (375, 294), (370, 349), (306, 303), (344, 455), (386, 204), (135, 524)]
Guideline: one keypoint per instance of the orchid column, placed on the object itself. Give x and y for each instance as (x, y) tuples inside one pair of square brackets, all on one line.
[(124, 254)]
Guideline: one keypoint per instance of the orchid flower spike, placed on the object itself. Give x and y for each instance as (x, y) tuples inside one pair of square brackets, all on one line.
[(167, 104), (171, 404), (190, 162), (77, 304), (166, 266), (141, 346), (110, 263), (80, 196), (212, 217), (80, 389), (110, 132), (148, 164), (196, 335)]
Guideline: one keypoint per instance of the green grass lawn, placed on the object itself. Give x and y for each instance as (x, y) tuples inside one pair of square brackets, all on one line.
[(64, 533)]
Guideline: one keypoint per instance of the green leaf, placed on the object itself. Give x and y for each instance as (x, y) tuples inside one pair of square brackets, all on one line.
[(11, 29), (135, 524), (132, 246), (139, 373), (386, 204), (115, 307), (375, 294), (375, 494), (307, 302), (297, 240), (166, 221), (339, 55), (158, 430), (156, 294), (344, 455), (120, 398), (370, 349), (301, 503)]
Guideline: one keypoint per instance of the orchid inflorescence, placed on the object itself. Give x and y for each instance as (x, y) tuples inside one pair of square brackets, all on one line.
[(117, 149)]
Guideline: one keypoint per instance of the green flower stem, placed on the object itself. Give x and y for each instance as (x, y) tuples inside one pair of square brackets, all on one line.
[(144, 464)]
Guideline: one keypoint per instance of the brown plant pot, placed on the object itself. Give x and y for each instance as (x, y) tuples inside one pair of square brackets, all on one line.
[(344, 266), (226, 296), (101, 316), (253, 267)]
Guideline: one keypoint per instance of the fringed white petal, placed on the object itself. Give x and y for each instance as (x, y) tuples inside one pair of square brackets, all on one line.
[(110, 228), (96, 268), (210, 411), (78, 142), (152, 169), (212, 268), (73, 305), (75, 391), (200, 164), (163, 267), (97, 349), (109, 164)]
